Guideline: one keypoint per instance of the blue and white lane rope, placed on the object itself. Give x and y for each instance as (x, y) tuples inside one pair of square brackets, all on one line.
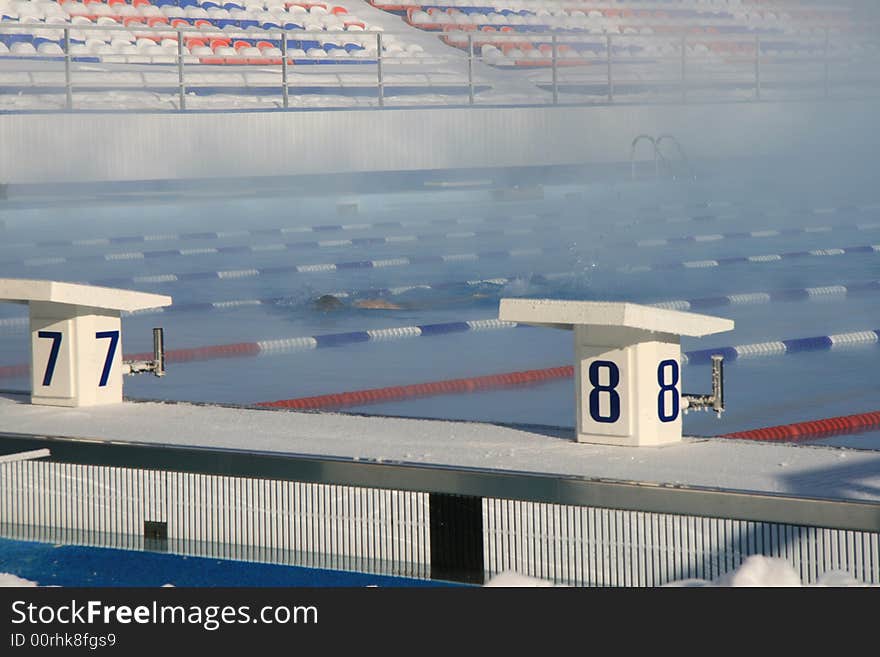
[(208, 236), (818, 293), (686, 240), (251, 249), (307, 343), (330, 228), (289, 246), (736, 260), (783, 347), (404, 261), (787, 294), (698, 357)]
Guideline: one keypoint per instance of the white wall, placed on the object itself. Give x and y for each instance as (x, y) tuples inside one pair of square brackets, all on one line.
[(37, 148)]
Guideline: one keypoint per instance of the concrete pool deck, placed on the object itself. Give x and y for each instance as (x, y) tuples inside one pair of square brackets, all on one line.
[(807, 471)]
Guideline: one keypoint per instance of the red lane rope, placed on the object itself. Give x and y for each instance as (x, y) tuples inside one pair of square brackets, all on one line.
[(16, 370), (211, 352), (236, 350), (453, 386), (845, 424)]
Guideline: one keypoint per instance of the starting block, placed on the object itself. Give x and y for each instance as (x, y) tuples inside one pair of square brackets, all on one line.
[(76, 338), (627, 364)]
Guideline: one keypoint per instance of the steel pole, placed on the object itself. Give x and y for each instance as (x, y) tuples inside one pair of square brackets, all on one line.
[(181, 86)]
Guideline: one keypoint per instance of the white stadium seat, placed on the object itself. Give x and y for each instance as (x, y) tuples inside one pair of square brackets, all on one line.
[(19, 48)]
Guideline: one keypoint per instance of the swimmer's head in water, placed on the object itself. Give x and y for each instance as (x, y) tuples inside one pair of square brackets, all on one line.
[(328, 302)]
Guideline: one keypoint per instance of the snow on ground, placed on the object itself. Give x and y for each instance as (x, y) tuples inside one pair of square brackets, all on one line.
[(7, 579), (756, 570), (716, 463)]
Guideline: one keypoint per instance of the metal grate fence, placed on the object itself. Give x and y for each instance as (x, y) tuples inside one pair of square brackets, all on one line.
[(418, 521)]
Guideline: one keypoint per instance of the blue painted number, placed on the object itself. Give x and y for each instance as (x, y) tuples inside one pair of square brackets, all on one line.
[(609, 388), (55, 336), (668, 396), (111, 351)]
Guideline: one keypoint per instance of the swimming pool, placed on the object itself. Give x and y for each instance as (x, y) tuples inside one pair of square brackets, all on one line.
[(447, 256)]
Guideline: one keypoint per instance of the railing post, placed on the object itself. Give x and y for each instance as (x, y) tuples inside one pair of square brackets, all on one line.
[(757, 67), (284, 84), (826, 76), (68, 87), (554, 60), (181, 86), (470, 68), (610, 78), (381, 81), (684, 68)]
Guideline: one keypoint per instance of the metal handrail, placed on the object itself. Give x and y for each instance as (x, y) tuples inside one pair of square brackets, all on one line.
[(466, 51), (632, 154), (681, 154), (573, 490)]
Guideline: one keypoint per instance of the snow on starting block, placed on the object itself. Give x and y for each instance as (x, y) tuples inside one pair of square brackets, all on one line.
[(76, 338), (627, 364)]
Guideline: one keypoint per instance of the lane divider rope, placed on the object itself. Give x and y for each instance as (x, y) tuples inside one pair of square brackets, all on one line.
[(538, 376), (832, 426), (754, 259), (251, 249), (817, 293), (430, 389), (329, 228), (404, 261), (207, 236), (292, 345), (237, 250)]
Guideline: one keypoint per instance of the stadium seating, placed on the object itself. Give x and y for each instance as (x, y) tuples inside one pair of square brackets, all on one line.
[(645, 39), (252, 24), (501, 31)]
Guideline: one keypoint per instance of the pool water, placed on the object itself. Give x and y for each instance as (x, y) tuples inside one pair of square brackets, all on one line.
[(608, 239), (49, 564)]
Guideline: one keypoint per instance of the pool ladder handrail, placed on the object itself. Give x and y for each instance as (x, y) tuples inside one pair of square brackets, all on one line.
[(682, 156), (659, 158), (632, 154)]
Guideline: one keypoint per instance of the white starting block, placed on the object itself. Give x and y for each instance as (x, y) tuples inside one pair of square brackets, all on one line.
[(627, 364), (76, 338)]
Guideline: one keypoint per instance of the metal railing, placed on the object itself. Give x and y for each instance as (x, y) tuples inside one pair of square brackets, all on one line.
[(418, 520), (565, 68)]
